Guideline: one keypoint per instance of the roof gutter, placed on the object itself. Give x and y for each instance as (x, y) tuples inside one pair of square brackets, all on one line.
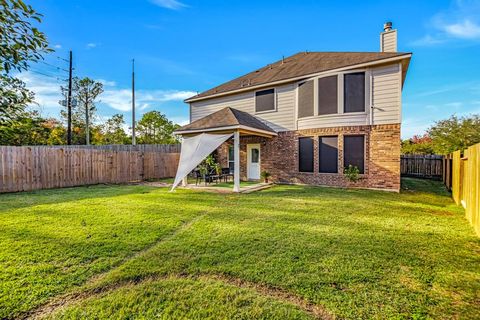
[(268, 84), (226, 128)]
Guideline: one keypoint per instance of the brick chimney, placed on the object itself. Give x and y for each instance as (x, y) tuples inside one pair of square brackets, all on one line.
[(388, 38)]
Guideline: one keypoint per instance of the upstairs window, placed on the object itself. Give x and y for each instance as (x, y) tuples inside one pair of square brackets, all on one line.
[(328, 154), (327, 95), (354, 92), (354, 152), (265, 100), (305, 154), (305, 99)]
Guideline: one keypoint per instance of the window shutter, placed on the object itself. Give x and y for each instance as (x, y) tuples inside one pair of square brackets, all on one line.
[(354, 92), (265, 100), (354, 152), (328, 154), (305, 154), (305, 99), (327, 95)]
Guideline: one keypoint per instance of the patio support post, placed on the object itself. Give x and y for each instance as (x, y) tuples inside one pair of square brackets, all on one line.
[(236, 164)]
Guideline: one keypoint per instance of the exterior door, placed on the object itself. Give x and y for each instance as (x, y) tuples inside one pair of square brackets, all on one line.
[(253, 162)]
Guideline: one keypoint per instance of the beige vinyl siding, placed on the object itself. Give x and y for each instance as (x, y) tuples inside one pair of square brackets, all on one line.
[(386, 98), (388, 41), (281, 119), (336, 120), (386, 82)]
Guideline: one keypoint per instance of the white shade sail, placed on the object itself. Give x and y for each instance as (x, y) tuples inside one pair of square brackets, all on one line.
[(194, 150)]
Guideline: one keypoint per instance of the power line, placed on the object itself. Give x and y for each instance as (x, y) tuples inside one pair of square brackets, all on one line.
[(56, 67), (60, 58), (47, 75)]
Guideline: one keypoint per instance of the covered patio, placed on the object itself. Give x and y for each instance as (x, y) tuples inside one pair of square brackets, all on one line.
[(201, 137)]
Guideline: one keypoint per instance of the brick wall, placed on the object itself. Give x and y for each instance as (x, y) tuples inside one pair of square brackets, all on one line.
[(279, 156)]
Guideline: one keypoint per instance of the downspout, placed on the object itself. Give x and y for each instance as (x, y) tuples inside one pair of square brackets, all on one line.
[(372, 107)]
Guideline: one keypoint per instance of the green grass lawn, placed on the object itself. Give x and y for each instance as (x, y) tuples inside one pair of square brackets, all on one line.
[(288, 252)]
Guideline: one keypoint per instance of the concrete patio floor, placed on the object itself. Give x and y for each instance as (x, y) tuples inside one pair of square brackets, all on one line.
[(245, 186)]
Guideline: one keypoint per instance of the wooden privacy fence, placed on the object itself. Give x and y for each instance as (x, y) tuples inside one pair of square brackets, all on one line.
[(42, 167), (421, 166), (465, 182)]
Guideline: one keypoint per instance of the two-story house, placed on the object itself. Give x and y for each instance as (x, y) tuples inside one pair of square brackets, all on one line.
[(308, 116)]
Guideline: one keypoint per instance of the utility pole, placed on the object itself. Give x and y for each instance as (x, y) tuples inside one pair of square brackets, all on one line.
[(87, 118), (133, 102), (69, 102)]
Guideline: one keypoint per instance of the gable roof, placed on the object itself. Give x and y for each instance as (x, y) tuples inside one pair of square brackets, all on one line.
[(226, 118), (300, 64)]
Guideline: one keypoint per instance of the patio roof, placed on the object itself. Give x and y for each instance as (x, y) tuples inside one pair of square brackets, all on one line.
[(228, 120)]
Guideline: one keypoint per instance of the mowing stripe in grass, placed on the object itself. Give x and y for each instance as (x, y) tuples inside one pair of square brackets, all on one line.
[(262, 290), (184, 226), (91, 288)]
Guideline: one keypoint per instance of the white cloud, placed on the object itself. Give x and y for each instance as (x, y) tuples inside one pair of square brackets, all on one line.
[(471, 86), (465, 29), (106, 83), (178, 95), (58, 46), (413, 126), (46, 89), (169, 4), (121, 99), (460, 22), (91, 45), (427, 40), (47, 94), (180, 120), (144, 106)]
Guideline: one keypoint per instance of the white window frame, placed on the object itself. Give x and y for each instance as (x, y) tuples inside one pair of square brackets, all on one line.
[(274, 100)]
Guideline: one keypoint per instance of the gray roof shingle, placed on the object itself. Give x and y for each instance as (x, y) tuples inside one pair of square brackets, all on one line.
[(300, 64), (226, 117)]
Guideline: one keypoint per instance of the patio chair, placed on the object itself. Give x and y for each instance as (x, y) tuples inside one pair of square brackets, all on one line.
[(226, 174), (199, 177), (214, 177)]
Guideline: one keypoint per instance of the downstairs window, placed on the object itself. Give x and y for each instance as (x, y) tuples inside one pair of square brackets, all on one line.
[(328, 154), (305, 154), (354, 152)]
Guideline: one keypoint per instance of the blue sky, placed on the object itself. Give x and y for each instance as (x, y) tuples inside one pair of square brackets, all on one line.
[(181, 47)]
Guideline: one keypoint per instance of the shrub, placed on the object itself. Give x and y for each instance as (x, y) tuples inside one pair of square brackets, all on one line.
[(352, 173), (265, 175)]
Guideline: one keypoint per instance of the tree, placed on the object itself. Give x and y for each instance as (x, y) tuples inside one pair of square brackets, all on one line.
[(155, 128), (31, 129), (418, 145), (21, 43), (14, 98), (113, 132), (455, 133), (86, 92), (58, 133)]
